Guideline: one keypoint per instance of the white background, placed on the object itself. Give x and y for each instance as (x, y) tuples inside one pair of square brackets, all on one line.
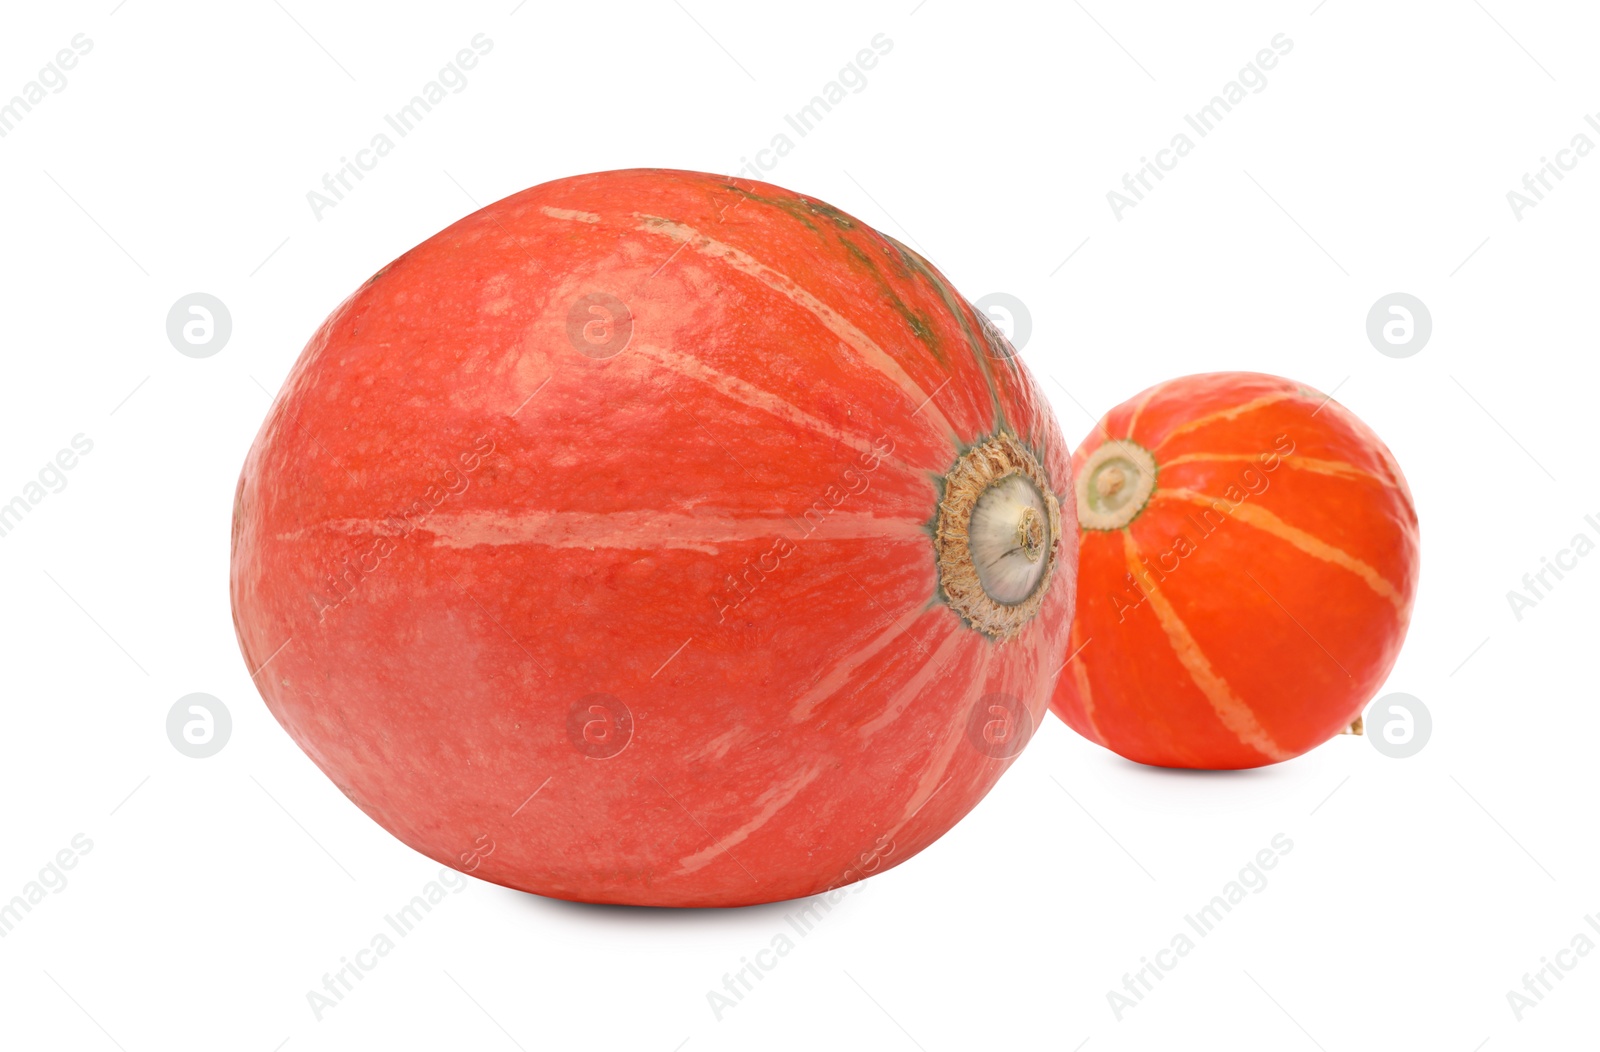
[(1377, 159)]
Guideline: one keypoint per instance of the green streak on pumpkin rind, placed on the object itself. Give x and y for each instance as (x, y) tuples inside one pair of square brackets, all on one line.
[(796, 207), (913, 263), (803, 209), (954, 304), (920, 324)]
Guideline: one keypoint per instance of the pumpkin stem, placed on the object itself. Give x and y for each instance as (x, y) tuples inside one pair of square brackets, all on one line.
[(1358, 727), (998, 530), (1115, 484)]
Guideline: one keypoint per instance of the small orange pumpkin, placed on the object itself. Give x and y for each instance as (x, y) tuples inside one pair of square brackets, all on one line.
[(1248, 558)]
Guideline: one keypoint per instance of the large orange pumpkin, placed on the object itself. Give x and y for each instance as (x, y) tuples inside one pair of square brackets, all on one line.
[(1247, 564), (656, 537)]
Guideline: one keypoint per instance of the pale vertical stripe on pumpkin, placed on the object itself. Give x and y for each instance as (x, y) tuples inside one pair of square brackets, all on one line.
[(911, 689), (1133, 421), (570, 213), (770, 802), (1334, 468), (936, 773), (908, 692), (1231, 710), (875, 356), (835, 677), (1080, 680), (630, 529), (1223, 415), (746, 393), (956, 307), (1263, 520), (1397, 477)]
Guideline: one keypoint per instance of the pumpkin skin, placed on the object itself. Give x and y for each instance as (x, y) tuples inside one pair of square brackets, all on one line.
[(590, 546), (1258, 597)]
